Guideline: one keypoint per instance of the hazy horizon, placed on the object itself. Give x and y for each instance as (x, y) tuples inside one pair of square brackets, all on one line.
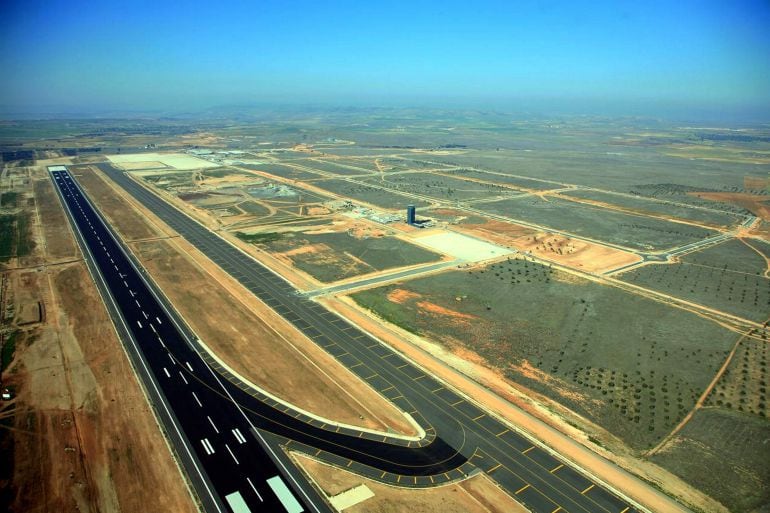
[(699, 60)]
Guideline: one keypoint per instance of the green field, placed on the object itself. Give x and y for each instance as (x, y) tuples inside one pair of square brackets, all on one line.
[(438, 186), (15, 240), (337, 256), (668, 209), (626, 230), (373, 195), (725, 453), (632, 365), (727, 277)]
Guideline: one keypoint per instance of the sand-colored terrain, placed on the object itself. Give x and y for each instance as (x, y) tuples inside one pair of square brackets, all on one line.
[(574, 253), (84, 437), (247, 335), (754, 203), (475, 495), (533, 413), (150, 160)]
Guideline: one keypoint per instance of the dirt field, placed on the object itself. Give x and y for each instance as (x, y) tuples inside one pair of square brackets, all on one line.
[(244, 332), (56, 231), (754, 203), (271, 355), (83, 435), (574, 253), (475, 495)]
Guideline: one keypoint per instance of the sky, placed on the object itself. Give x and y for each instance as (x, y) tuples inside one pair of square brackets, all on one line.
[(77, 56)]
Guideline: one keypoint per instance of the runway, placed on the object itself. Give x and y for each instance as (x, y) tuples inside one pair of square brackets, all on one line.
[(529, 472)]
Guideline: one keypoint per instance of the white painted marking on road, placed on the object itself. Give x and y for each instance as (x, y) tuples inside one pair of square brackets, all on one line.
[(255, 489), (207, 446), (212, 424), (189, 366), (183, 378), (157, 319), (112, 261), (137, 302), (284, 494), (116, 267), (167, 373), (139, 323), (153, 328), (239, 436), (231, 454), (197, 400), (126, 284), (146, 316), (161, 341), (170, 357)]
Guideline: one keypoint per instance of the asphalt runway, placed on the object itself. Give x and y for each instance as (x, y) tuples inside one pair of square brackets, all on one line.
[(531, 473), (218, 445)]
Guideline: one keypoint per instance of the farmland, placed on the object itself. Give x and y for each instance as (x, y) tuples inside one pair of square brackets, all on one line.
[(729, 277), (626, 230), (336, 256), (649, 206), (558, 335)]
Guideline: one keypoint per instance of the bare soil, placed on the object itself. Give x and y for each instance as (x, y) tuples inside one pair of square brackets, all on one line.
[(246, 334), (56, 231), (475, 495), (574, 253)]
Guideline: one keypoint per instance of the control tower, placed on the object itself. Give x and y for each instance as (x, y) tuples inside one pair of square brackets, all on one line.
[(410, 215)]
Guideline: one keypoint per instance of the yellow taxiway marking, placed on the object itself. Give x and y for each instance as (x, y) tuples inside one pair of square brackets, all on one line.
[(419, 377), (373, 345), (477, 418), (383, 475), (319, 451), (521, 489), (386, 389), (431, 479), (446, 476), (625, 509), (397, 397), (398, 480), (356, 365), (458, 402), (526, 451), (494, 468), (558, 508), (587, 489), (434, 391), (556, 468), (370, 377), (501, 433), (402, 366), (350, 463), (415, 479)]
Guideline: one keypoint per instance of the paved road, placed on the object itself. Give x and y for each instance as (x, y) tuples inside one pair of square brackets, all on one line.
[(536, 477), (227, 459)]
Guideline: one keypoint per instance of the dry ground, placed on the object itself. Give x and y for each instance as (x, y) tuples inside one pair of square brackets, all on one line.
[(475, 495), (84, 437), (574, 253), (247, 335)]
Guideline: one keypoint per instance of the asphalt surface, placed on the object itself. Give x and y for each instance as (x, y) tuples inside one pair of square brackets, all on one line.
[(531, 473), (218, 445)]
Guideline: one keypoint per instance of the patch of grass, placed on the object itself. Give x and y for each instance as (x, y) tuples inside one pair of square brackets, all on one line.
[(9, 199), (259, 238), (559, 335), (9, 349)]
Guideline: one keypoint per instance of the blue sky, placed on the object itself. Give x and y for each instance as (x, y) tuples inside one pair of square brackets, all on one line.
[(188, 55)]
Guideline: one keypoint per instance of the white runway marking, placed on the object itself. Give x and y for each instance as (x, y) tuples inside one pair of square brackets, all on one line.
[(255, 489), (233, 455), (239, 436), (212, 424), (197, 400), (139, 323), (207, 446), (166, 371), (183, 378)]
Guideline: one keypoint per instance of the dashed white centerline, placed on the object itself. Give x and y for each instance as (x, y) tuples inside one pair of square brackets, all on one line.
[(124, 283), (139, 323), (167, 373), (137, 302), (188, 366), (157, 319), (197, 400), (183, 378), (212, 424), (171, 358), (146, 316), (255, 489), (231, 454), (153, 328), (161, 342)]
